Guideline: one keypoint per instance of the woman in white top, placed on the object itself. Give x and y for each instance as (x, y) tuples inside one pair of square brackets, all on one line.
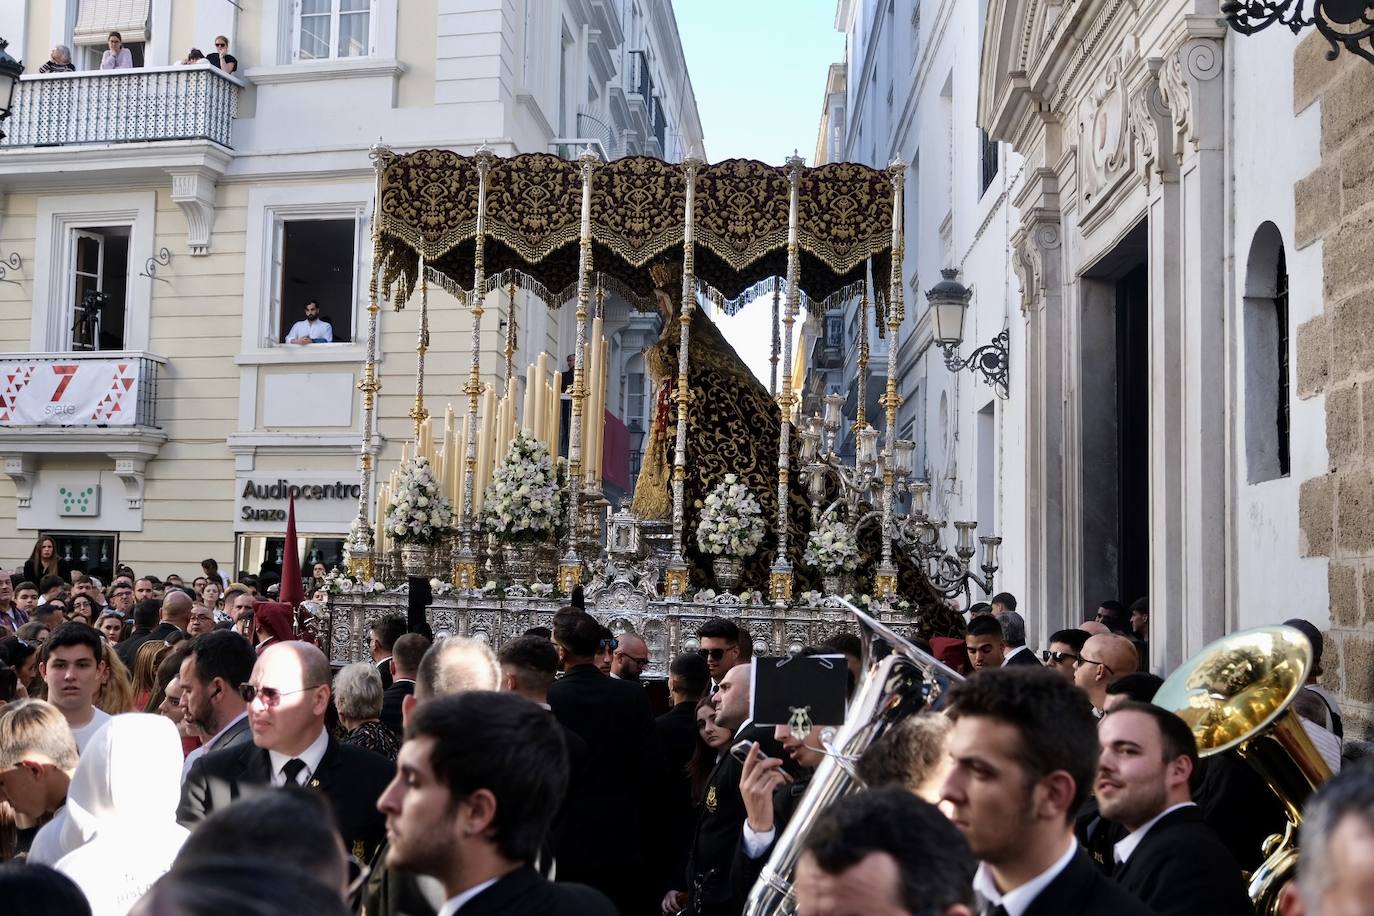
[(116, 57)]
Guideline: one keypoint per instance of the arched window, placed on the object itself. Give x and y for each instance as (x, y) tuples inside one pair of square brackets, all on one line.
[(1267, 387)]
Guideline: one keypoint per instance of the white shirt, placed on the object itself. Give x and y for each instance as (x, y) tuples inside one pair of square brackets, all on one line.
[(311, 756), (1122, 850), (1008, 656), (755, 843), (208, 746), (315, 330), (1017, 901), (85, 733), (456, 903)]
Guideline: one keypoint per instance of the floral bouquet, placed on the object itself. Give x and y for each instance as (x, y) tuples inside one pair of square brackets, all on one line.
[(419, 513), (522, 503), (831, 548), (731, 522)]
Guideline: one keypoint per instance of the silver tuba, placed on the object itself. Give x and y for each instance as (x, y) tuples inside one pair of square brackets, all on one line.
[(901, 685)]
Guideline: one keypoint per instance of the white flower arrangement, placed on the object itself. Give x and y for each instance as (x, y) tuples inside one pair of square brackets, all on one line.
[(831, 548), (523, 501), (731, 520), (419, 512), (338, 584)]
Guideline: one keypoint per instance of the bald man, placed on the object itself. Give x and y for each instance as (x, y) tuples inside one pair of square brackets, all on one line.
[(631, 657), (287, 696), (176, 615), (1093, 628), (1103, 660)]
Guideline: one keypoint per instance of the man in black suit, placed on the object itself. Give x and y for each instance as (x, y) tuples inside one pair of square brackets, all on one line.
[(1014, 634), (884, 851), (287, 697), (176, 615), (145, 616), (721, 814), (481, 775), (614, 718), (404, 663), (1169, 858), (210, 675), (384, 633), (1024, 753)]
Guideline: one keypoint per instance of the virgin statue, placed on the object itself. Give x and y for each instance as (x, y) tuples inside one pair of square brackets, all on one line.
[(732, 428)]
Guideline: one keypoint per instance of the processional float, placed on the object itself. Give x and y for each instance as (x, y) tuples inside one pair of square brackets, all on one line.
[(558, 230)]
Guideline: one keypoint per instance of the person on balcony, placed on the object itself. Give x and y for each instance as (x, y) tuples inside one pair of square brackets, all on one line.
[(312, 329), (116, 56), (220, 57), (59, 61), (193, 56)]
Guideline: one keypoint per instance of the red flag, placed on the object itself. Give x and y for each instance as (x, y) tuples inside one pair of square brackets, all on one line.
[(292, 592)]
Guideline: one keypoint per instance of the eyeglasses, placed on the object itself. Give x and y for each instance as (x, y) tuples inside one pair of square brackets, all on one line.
[(1083, 660), (271, 696), (1056, 658), (611, 644), (641, 662), (714, 655)]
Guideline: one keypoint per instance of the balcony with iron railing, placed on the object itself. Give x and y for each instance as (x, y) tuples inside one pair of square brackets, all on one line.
[(149, 104), (639, 85)]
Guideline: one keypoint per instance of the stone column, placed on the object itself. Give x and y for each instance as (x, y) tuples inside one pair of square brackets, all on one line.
[(1038, 259)]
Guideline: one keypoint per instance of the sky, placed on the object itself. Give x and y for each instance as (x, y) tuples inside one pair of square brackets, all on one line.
[(758, 70)]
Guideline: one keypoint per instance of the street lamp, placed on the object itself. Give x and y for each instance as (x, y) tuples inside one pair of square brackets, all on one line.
[(1340, 22), (9, 78), (948, 305)]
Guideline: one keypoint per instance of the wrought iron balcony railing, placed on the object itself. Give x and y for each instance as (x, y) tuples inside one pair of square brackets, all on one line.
[(123, 106)]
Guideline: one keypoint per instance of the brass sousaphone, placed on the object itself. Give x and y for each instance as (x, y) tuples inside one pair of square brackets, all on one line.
[(1237, 693)]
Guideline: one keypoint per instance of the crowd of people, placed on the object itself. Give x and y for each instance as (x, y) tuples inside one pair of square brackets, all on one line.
[(117, 56), (186, 762)]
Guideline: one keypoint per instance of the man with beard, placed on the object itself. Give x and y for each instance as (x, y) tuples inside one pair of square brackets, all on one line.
[(210, 675), (478, 781), (1024, 752), (1169, 858)]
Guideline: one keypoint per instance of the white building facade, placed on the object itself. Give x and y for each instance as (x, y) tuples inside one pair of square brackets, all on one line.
[(206, 208), (910, 91)]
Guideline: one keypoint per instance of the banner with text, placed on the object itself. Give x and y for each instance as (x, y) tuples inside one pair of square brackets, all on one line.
[(76, 393)]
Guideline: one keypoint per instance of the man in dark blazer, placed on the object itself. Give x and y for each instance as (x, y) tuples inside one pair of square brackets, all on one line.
[(404, 662), (484, 773), (289, 691), (210, 675), (1024, 752), (1014, 633), (1169, 857), (614, 718), (383, 635), (145, 615)]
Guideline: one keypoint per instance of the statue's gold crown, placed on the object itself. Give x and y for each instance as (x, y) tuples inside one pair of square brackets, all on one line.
[(666, 275)]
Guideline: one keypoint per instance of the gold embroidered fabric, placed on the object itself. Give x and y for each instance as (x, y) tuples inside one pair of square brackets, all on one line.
[(428, 207)]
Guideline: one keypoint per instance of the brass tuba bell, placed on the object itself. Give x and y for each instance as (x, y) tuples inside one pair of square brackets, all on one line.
[(1237, 693)]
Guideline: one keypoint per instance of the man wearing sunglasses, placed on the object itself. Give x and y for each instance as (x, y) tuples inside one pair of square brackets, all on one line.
[(630, 658), (1061, 656), (287, 696), (723, 645), (1102, 661)]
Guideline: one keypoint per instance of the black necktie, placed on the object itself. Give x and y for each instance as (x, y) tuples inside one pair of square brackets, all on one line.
[(291, 769)]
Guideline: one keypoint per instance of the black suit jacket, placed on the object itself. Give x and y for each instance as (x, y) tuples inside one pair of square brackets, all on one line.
[(1081, 890), (523, 891), (1023, 658), (384, 669), (392, 698), (677, 734), (127, 649), (1181, 867), (623, 761), (350, 777), (163, 630)]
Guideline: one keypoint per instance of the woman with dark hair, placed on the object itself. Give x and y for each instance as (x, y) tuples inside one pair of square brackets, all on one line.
[(712, 741), (36, 890), (84, 609), (21, 655), (112, 626), (45, 562)]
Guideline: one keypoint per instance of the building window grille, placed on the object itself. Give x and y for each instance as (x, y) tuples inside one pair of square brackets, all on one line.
[(1281, 394), (989, 161)]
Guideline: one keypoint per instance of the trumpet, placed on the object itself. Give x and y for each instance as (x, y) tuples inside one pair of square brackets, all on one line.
[(906, 682)]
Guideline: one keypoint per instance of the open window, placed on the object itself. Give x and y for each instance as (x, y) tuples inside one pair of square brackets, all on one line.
[(96, 19), (98, 287), (316, 260)]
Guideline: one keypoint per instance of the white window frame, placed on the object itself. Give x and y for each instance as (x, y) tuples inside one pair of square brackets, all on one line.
[(334, 16), (268, 208), (58, 219), (280, 27)]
